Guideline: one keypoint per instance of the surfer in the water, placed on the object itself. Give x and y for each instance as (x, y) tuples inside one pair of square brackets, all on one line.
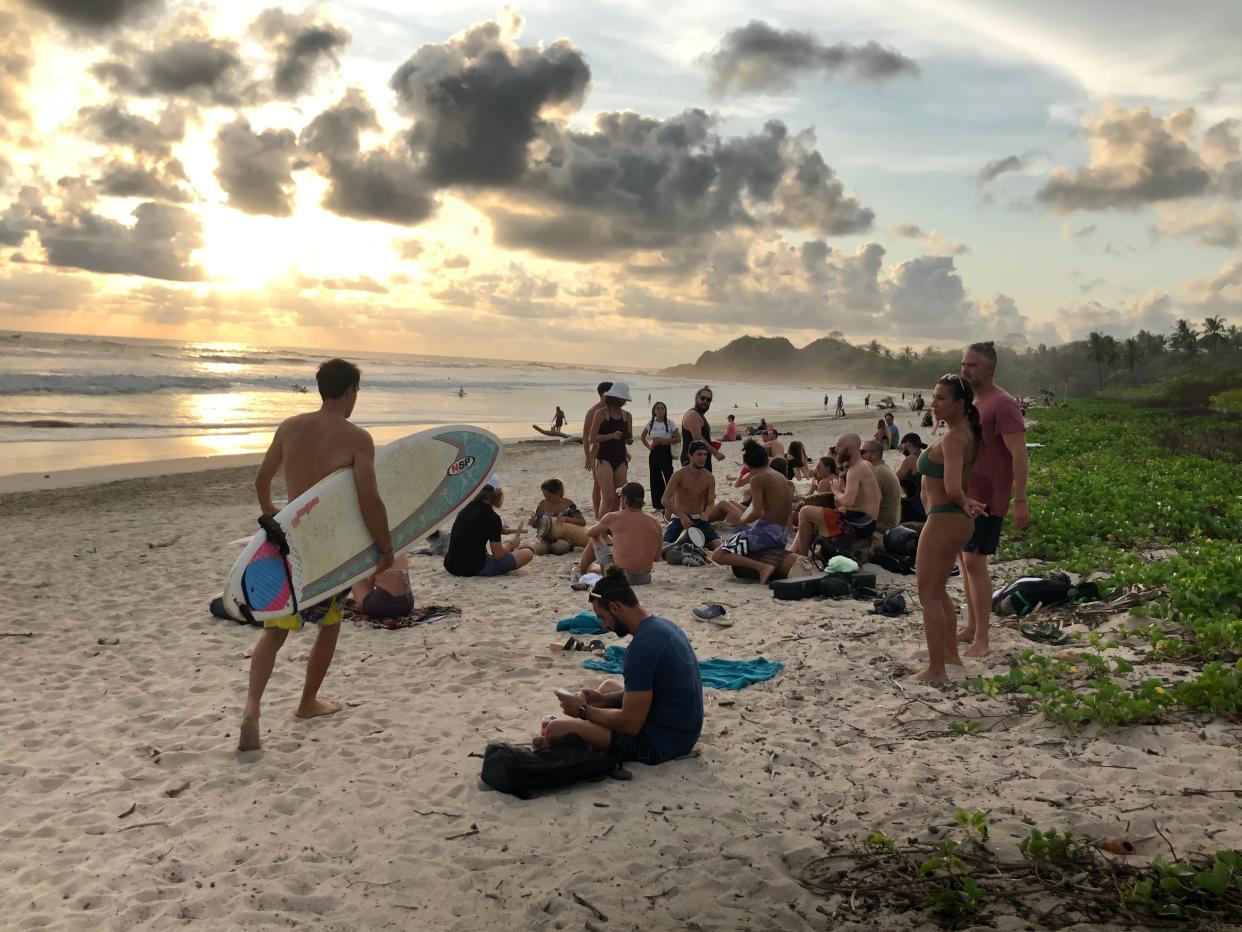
[(310, 447)]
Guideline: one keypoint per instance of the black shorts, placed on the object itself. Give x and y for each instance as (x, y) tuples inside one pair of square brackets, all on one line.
[(986, 537)]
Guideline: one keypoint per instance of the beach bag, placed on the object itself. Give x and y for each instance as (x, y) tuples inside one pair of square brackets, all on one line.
[(901, 541), (1020, 597), (823, 549), (521, 772)]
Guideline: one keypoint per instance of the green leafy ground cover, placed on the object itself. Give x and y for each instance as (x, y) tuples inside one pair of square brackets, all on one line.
[(1112, 483)]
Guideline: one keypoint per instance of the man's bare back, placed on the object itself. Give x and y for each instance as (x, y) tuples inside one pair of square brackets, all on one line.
[(636, 539), (315, 445), (772, 495)]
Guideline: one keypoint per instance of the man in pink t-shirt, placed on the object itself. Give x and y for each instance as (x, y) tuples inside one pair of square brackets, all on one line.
[(999, 472)]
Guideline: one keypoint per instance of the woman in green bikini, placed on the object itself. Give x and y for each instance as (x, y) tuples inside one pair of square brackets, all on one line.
[(945, 468)]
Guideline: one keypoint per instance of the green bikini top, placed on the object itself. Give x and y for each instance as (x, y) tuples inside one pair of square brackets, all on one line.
[(929, 467)]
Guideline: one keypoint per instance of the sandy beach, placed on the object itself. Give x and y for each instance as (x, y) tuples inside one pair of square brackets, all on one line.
[(128, 806)]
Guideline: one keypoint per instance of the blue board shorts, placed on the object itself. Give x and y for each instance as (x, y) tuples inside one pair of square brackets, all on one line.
[(674, 529), (637, 748), (756, 539), (494, 567), (325, 614)]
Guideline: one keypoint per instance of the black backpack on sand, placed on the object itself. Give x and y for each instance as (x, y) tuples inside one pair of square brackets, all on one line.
[(518, 770)]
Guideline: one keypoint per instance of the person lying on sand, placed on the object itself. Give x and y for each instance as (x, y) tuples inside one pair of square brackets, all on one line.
[(655, 713), (635, 540), (387, 594), (310, 447)]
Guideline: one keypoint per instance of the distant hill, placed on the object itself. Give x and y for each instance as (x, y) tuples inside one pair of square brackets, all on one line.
[(1083, 367)]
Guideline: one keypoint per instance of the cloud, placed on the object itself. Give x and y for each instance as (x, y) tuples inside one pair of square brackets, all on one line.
[(158, 245), (301, 43), (997, 167), (16, 62), (1214, 225), (756, 58), (113, 124), (381, 184), (185, 62), (98, 14), (154, 180), (25, 214), (908, 231), (359, 283), (1138, 158), (256, 169), (933, 240), (1154, 311), (1220, 293), (479, 102)]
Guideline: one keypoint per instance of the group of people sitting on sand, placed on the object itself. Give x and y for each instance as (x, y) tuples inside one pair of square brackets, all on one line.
[(964, 483)]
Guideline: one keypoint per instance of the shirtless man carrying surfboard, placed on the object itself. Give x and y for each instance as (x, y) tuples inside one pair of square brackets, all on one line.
[(311, 447)]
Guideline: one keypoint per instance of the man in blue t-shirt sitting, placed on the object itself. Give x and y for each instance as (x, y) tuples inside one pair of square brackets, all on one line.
[(657, 713)]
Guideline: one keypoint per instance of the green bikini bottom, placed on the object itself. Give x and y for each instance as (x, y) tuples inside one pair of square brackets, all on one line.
[(948, 510)]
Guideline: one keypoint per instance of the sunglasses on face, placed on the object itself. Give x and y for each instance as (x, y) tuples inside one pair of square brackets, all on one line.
[(705, 398)]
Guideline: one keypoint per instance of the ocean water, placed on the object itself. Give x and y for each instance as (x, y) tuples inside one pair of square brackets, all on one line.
[(71, 401)]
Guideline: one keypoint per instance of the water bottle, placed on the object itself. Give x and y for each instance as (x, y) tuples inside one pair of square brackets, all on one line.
[(547, 720)]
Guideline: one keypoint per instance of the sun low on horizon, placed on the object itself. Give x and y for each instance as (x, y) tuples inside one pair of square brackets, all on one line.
[(557, 184)]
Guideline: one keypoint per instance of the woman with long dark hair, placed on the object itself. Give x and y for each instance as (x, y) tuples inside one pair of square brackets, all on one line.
[(798, 461), (945, 468), (659, 436)]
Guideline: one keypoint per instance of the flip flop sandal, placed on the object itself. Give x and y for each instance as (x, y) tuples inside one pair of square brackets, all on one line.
[(709, 612), (595, 645), (1046, 633)]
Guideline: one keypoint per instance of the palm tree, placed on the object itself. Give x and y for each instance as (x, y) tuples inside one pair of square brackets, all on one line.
[(1185, 337), (1235, 336), (874, 348), (908, 354), (1098, 352), (1132, 353), (1214, 334), (1151, 344)]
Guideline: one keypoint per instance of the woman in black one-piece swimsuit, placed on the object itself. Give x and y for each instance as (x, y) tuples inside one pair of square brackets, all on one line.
[(611, 429)]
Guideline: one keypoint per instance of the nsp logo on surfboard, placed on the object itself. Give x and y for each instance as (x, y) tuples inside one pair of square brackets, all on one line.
[(461, 465)]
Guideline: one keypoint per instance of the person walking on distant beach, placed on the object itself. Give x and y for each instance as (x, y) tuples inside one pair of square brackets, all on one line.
[(694, 427), (999, 475), (558, 419), (946, 471), (310, 447)]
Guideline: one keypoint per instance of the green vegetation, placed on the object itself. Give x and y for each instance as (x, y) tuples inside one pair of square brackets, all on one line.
[(1230, 400), (1114, 486), (960, 878), (1209, 352)]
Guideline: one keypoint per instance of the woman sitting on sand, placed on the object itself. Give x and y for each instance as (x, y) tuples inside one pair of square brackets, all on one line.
[(557, 520), (881, 433), (798, 461), (950, 517)]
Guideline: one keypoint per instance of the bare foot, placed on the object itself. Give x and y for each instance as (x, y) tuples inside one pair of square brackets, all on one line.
[(248, 740), (965, 636), (928, 677), (978, 650), (765, 574), (319, 707)]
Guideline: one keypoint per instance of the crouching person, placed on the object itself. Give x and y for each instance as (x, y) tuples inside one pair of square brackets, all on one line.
[(656, 714)]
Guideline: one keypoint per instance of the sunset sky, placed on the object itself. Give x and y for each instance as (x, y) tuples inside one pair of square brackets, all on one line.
[(635, 182)]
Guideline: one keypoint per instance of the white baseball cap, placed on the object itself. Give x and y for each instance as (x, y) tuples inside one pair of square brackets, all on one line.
[(495, 481), (619, 390)]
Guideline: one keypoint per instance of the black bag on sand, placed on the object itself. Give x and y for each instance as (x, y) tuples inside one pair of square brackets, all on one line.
[(522, 772), (901, 541), (829, 585), (824, 549)]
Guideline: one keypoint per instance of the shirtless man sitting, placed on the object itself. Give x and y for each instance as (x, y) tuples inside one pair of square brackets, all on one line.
[(857, 501), (635, 540), (689, 496), (310, 447), (557, 520), (772, 443), (765, 523)]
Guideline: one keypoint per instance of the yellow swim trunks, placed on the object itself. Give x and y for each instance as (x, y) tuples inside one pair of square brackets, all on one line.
[(325, 614)]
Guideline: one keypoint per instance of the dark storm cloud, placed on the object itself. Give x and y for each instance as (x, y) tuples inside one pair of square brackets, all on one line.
[(381, 184), (160, 181), (256, 169), (26, 213), (997, 167), (643, 183), (1136, 159), (98, 14), (196, 67), (113, 124), (478, 103), (158, 245), (756, 58), (300, 44)]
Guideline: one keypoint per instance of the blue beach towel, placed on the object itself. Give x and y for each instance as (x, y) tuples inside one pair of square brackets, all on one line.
[(585, 622), (715, 673)]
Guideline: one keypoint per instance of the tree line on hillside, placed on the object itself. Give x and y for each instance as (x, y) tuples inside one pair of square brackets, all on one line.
[(1078, 368)]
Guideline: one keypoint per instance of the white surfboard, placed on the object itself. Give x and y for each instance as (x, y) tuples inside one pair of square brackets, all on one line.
[(424, 479)]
